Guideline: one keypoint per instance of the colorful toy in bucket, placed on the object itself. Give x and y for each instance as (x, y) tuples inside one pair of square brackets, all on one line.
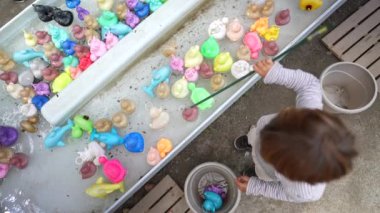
[(134, 142), (81, 123), (190, 114), (8, 135), (14, 90), (235, 30), (179, 88), (30, 39), (92, 153), (213, 201), (158, 76), (24, 56), (240, 69), (110, 139), (198, 94), (61, 82), (39, 101), (283, 17), (142, 10), (272, 33), (120, 120), (113, 170), (260, 26), (101, 189), (55, 137)]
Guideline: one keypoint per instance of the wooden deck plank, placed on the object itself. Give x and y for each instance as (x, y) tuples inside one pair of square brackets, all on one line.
[(371, 56), (168, 200), (180, 207), (375, 69)]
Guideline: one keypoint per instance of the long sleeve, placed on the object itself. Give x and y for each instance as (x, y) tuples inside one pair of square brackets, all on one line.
[(307, 87)]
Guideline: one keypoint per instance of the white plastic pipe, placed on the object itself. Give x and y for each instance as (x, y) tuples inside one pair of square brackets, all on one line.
[(117, 60)]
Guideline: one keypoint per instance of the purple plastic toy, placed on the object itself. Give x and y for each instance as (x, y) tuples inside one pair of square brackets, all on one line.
[(82, 12), (216, 189), (8, 135), (131, 4), (131, 19), (42, 88)]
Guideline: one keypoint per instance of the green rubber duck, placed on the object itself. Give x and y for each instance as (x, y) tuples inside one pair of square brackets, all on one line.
[(198, 94), (210, 48), (107, 19), (81, 123)]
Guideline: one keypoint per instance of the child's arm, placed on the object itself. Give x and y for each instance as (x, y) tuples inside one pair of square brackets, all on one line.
[(307, 87)]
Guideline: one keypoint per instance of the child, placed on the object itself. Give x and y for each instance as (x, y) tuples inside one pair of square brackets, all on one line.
[(297, 151)]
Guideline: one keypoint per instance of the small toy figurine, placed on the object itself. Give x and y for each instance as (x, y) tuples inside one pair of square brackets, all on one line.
[(6, 154), (49, 73), (193, 57), (92, 153), (61, 82), (259, 9), (8, 135), (44, 12), (240, 69), (121, 10), (55, 137), (9, 77), (28, 110), (191, 74), (128, 106), (30, 125), (72, 3), (272, 33), (164, 146), (72, 62), (42, 88), (63, 17), (14, 90), (179, 88), (153, 157), (110, 139), (283, 17), (82, 123), (101, 189), (218, 29), (42, 37), (97, 49), (310, 5), (131, 4), (88, 169), (84, 62), (190, 114), (39, 101), (253, 42), (205, 71), (223, 62), (218, 189), (4, 168), (162, 91), (260, 26), (210, 48), (6, 64), (27, 93), (36, 66), (198, 94), (58, 35), (213, 201), (105, 4), (132, 19), (30, 39), (78, 32), (19, 160), (270, 48), (26, 78), (50, 49), (81, 51), (120, 120), (268, 8), (141, 10), (103, 125), (158, 76), (217, 82), (235, 30), (169, 49), (68, 47), (177, 63), (82, 13), (107, 19), (91, 22), (134, 142), (119, 29), (160, 118), (154, 4), (113, 169), (111, 40), (24, 56)]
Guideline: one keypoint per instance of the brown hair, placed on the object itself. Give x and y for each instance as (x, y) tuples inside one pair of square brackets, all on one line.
[(308, 145)]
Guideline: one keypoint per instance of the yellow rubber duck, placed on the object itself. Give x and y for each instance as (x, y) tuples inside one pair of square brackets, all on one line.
[(193, 57), (101, 189), (164, 146), (310, 5), (105, 4), (223, 62), (61, 82), (260, 26), (272, 33), (30, 39)]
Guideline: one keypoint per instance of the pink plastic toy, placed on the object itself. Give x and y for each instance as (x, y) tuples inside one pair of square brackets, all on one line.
[(283, 17), (205, 71), (49, 73), (42, 37), (4, 168), (253, 42), (81, 51), (97, 48), (56, 60), (111, 40), (270, 48), (9, 77), (235, 30), (177, 63), (191, 74), (153, 157), (78, 32), (88, 169), (75, 72), (113, 169), (19, 160), (190, 114)]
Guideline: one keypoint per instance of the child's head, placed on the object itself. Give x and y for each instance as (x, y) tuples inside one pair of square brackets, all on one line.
[(308, 145)]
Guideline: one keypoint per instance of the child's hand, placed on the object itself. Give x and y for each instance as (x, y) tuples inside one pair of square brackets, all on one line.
[(242, 183), (262, 67)]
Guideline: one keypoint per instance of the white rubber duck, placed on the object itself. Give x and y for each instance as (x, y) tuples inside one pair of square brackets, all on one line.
[(14, 90), (180, 89), (218, 28), (92, 153), (28, 110), (240, 69), (159, 118)]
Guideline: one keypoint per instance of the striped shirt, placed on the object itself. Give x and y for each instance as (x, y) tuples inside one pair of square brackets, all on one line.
[(271, 183)]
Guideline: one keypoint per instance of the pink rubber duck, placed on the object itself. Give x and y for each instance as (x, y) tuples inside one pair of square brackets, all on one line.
[(113, 170), (253, 42), (235, 30), (97, 48), (177, 63), (111, 40), (191, 74), (81, 51), (4, 168), (153, 157), (56, 60), (78, 32), (283, 17), (42, 37)]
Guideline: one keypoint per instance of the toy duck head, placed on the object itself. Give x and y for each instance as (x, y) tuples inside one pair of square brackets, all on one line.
[(193, 57), (310, 5)]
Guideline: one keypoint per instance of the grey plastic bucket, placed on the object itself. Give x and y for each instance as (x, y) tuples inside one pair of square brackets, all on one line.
[(193, 199), (348, 88)]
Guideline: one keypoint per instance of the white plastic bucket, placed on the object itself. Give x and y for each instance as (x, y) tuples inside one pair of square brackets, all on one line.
[(348, 88), (193, 199)]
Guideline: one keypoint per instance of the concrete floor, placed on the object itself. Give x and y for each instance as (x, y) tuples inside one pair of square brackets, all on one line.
[(357, 192)]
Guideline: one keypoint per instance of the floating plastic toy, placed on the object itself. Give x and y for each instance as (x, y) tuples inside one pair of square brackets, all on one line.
[(107, 19), (97, 49), (191, 74), (217, 82), (113, 169), (68, 47), (240, 69), (101, 189), (218, 28), (260, 26), (142, 10), (49, 73), (177, 65), (88, 169), (235, 30), (283, 17), (82, 124), (223, 62), (42, 37), (82, 13), (270, 48), (6, 63), (105, 4), (160, 118), (92, 153), (198, 94), (190, 114), (27, 93), (26, 78), (63, 17), (193, 57), (213, 201), (24, 56), (39, 101), (128, 106), (103, 125), (36, 67), (91, 22), (19, 160), (5, 154), (70, 61), (9, 77), (164, 146), (42, 88), (120, 120), (72, 3), (119, 29), (81, 51), (205, 71), (8, 135), (158, 76), (154, 4), (162, 90), (50, 49), (121, 10), (179, 88), (85, 62), (28, 110), (132, 19), (253, 42), (14, 90), (30, 39), (210, 48), (58, 35), (45, 13), (55, 137), (272, 33), (30, 124), (110, 139), (61, 82), (131, 4), (56, 60), (4, 168), (111, 40), (310, 5), (153, 157), (134, 142)]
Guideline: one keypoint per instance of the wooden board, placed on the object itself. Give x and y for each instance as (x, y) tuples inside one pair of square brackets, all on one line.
[(165, 197), (357, 38)]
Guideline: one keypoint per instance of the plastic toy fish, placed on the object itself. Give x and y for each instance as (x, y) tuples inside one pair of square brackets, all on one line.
[(58, 35), (283, 17), (6, 64), (198, 94), (4, 168), (113, 169), (120, 120), (39, 101), (97, 49), (110, 139), (164, 146), (223, 62), (210, 48), (82, 13), (260, 26), (61, 82), (111, 40), (42, 37), (30, 39), (240, 69), (190, 114), (134, 142), (5, 154), (118, 29), (132, 19), (92, 153), (26, 78), (82, 124), (193, 57), (24, 56), (107, 19), (218, 28), (177, 63), (158, 76), (217, 82), (68, 47), (154, 4), (213, 201), (141, 10), (42, 88), (179, 88), (8, 135), (14, 90), (70, 61), (72, 3), (160, 118), (235, 30), (128, 106), (272, 33), (101, 189), (36, 66), (19, 160), (253, 42), (55, 137), (9, 77), (310, 5), (105, 4)]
